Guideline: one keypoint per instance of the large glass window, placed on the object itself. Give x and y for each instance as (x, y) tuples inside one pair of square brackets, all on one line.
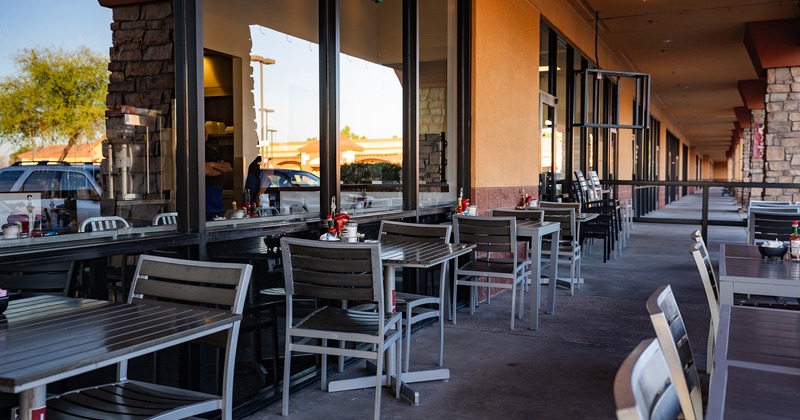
[(286, 97), (371, 116), (437, 101)]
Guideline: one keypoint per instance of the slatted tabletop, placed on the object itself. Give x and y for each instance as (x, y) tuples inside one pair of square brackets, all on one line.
[(742, 270), (47, 338), (756, 364), (417, 254)]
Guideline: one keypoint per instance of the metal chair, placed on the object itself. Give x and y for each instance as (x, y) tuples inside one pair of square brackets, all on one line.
[(569, 246), (416, 307), (643, 388), (38, 279), (768, 225), (338, 271), (165, 219), (174, 283), (120, 282), (491, 235), (536, 215), (96, 224), (709, 278), (671, 334), (605, 226)]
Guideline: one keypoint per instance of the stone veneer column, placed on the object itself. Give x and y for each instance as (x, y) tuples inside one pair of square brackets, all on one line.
[(432, 132), (142, 60), (743, 194), (782, 133), (756, 165)]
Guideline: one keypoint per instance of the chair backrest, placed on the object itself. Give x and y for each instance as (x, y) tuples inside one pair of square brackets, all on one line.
[(594, 180), (332, 270), (587, 192), (769, 225), (642, 387), (413, 232), (527, 214), (188, 282), (165, 219), (209, 285), (298, 209), (671, 334), (489, 234), (703, 261), (38, 279), (96, 224), (768, 203), (565, 216)]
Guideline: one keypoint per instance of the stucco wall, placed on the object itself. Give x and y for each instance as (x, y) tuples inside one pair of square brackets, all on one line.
[(505, 86)]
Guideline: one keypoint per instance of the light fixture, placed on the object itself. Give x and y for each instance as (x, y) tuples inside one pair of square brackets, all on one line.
[(545, 69)]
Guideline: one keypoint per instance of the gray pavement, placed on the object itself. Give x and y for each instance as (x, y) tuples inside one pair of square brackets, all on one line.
[(566, 369)]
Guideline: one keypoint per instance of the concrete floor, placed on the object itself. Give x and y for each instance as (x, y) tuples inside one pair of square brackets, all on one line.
[(551, 373)]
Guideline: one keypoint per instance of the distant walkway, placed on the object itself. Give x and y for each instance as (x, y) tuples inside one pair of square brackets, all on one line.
[(722, 208)]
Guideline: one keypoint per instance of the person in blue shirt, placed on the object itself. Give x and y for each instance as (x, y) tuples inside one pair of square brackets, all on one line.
[(252, 184)]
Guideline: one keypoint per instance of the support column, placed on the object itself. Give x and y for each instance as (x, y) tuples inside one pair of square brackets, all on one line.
[(782, 133)]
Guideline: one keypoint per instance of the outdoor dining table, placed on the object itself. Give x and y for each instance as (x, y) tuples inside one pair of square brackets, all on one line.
[(44, 339), (536, 231), (407, 254), (756, 370), (743, 270)]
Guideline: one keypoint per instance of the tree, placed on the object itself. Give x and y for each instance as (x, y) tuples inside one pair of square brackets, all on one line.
[(349, 134), (58, 96)]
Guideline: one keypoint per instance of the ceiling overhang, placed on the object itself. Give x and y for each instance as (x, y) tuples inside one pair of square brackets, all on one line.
[(742, 116), (753, 93), (773, 43)]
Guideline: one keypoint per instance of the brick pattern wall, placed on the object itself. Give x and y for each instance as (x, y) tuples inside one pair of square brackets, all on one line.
[(142, 59), (757, 165), (782, 133), (432, 127)]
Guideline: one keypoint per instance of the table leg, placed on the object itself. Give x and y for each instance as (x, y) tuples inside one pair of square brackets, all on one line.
[(32, 403), (536, 279), (726, 293), (554, 238), (366, 382), (389, 299)]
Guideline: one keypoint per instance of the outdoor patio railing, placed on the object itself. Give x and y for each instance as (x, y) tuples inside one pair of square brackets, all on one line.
[(646, 198)]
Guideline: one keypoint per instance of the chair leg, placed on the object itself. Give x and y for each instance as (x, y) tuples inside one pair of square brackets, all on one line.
[(287, 368), (572, 278), (521, 297), (578, 270), (453, 305), (378, 375), (710, 349), (441, 334), (399, 381), (407, 337), (513, 302), (324, 367)]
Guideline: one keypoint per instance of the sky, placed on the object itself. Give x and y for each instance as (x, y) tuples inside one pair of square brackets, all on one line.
[(371, 100), (66, 24), (51, 23)]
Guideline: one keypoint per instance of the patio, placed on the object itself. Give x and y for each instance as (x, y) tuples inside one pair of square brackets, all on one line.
[(566, 368)]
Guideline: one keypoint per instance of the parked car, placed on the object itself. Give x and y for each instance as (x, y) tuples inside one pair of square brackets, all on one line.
[(68, 193), (285, 178), (291, 190)]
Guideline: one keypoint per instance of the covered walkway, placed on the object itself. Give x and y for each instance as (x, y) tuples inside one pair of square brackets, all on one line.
[(566, 369)]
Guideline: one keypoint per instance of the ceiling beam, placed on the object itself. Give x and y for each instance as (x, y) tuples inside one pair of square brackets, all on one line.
[(753, 92), (773, 43)]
